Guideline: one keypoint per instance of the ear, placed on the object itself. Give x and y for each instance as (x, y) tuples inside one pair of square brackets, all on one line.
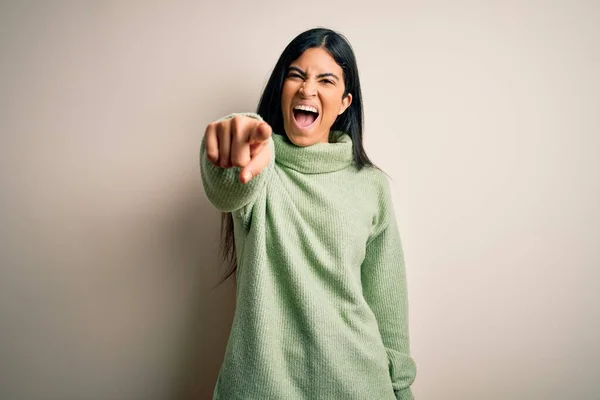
[(346, 101)]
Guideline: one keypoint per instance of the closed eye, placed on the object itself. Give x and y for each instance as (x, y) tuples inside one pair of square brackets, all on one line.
[(295, 76), (328, 81)]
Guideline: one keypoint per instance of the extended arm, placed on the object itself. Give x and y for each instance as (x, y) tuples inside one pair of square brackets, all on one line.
[(229, 154)]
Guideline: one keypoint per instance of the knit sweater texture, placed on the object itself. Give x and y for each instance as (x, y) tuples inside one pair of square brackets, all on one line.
[(321, 298)]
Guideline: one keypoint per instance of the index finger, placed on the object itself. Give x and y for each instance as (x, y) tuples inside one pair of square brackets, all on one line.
[(261, 133)]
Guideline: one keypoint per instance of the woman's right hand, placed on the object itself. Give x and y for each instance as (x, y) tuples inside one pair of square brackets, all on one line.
[(239, 142)]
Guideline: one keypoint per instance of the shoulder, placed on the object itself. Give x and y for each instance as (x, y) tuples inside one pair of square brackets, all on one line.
[(240, 114), (376, 182), (376, 185)]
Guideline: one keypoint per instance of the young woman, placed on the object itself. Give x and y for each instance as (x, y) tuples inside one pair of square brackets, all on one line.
[(321, 290)]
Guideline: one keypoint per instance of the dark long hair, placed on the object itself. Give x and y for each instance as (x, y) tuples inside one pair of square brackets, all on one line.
[(269, 108)]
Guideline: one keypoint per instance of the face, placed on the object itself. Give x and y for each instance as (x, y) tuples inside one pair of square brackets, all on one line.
[(312, 97)]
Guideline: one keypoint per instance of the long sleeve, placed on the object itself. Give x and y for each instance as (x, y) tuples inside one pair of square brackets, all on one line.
[(222, 185), (384, 289)]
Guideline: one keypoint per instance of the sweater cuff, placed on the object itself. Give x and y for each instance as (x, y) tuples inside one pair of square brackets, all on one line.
[(404, 394)]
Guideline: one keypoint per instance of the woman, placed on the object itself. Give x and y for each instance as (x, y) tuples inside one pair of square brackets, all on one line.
[(321, 292)]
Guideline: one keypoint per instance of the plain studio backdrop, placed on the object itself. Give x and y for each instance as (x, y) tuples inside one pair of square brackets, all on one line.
[(485, 114)]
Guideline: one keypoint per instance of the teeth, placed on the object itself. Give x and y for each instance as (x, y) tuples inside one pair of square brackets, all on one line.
[(306, 108)]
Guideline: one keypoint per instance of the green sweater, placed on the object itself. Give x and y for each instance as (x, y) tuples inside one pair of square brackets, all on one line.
[(321, 291)]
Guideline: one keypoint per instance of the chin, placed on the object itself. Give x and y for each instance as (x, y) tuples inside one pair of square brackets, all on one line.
[(303, 138)]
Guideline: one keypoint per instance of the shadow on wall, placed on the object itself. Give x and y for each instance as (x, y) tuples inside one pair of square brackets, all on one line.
[(210, 309)]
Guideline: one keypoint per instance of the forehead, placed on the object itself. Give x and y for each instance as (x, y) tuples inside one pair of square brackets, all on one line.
[(317, 60)]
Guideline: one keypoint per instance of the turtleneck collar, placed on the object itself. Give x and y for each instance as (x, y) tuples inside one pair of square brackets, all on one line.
[(317, 158)]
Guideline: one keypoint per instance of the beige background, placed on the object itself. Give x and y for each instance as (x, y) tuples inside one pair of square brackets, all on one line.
[(486, 114)]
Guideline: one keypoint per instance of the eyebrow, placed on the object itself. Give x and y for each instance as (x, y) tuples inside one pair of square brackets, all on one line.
[(298, 70)]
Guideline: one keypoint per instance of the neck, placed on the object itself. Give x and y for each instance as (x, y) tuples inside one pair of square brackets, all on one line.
[(322, 157)]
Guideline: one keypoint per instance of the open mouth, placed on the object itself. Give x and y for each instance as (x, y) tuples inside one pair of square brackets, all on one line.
[(305, 116)]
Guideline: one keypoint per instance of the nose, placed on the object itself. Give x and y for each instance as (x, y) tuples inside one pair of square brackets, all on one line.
[(308, 88)]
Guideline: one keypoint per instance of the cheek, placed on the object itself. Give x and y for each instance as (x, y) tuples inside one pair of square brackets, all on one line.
[(284, 94), (331, 106), (287, 93)]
